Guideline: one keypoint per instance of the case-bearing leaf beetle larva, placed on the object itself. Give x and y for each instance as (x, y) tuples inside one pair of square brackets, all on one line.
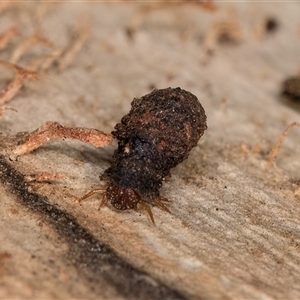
[(157, 134)]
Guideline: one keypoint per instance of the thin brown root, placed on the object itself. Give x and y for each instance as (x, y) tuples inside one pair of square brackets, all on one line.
[(277, 147), (148, 209), (26, 44), (13, 87), (4, 108), (7, 36), (53, 130), (44, 177), (45, 62), (82, 36), (161, 205)]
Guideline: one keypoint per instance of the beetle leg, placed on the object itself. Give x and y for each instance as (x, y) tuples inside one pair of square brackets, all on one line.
[(93, 192), (161, 205), (103, 202), (148, 209), (165, 199)]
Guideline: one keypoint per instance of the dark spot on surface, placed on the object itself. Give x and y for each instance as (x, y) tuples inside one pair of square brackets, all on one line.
[(130, 33), (271, 25), (152, 86), (291, 90)]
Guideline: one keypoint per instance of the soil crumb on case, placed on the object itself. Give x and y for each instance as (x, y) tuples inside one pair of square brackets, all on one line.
[(157, 134)]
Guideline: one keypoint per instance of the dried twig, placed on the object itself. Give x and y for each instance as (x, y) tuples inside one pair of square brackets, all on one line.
[(21, 75), (7, 36), (276, 148), (53, 130)]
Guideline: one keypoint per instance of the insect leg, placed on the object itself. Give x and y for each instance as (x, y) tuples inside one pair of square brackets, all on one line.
[(91, 193), (161, 205), (148, 209), (165, 199)]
